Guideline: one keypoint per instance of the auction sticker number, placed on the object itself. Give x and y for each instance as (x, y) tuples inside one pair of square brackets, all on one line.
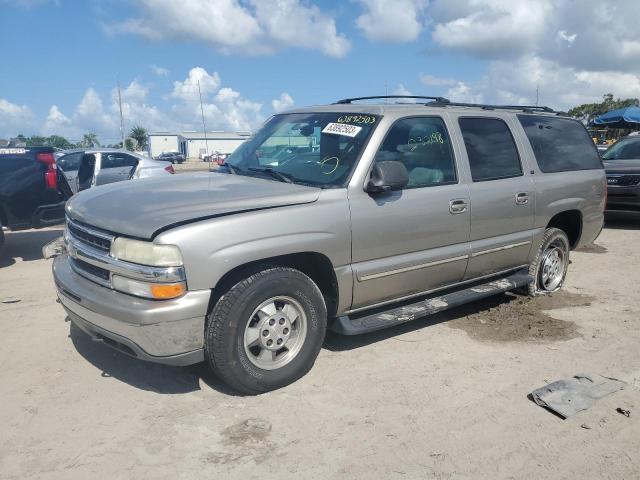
[(366, 119), (342, 129)]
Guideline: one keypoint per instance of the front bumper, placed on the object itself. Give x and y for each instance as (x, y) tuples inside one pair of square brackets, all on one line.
[(623, 199), (168, 331)]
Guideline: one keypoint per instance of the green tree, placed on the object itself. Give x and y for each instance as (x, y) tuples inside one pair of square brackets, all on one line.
[(587, 112), (130, 144), (140, 135), (89, 140), (57, 141)]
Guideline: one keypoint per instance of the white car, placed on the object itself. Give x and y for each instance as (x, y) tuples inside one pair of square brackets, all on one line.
[(98, 166)]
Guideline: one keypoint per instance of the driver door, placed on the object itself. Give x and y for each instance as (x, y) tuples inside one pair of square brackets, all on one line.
[(115, 167)]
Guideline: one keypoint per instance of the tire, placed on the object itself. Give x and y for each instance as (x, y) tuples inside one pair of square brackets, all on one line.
[(235, 334), (554, 241)]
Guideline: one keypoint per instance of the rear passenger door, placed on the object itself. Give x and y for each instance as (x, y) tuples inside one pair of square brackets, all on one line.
[(414, 240), (115, 167), (502, 197)]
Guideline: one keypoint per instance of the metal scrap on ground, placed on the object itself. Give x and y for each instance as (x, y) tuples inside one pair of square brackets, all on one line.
[(568, 397)]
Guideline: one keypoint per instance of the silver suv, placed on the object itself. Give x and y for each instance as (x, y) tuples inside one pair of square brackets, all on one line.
[(350, 216)]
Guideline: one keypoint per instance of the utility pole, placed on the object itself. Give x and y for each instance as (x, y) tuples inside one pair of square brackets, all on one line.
[(121, 120), (204, 128), (537, 93)]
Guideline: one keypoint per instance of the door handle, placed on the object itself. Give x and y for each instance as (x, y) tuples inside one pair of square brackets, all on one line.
[(522, 198), (457, 206)]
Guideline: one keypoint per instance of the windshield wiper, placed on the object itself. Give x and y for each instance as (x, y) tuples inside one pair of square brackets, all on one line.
[(283, 177)]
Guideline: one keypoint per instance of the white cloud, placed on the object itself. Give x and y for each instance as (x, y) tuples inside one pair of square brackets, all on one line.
[(159, 71), (57, 123), (461, 92), (187, 90), (392, 20), (14, 119), (250, 27), (285, 102), (402, 90)]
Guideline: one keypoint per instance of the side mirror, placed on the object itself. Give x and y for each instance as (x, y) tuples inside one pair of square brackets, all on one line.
[(387, 176)]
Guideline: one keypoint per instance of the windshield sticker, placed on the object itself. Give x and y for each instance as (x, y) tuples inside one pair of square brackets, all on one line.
[(366, 119), (342, 129), (12, 151)]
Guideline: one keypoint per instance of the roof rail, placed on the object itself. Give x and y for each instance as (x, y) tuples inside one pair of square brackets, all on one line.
[(524, 108), (355, 99)]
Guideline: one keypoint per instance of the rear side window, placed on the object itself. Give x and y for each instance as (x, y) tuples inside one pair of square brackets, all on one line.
[(491, 149), (560, 144)]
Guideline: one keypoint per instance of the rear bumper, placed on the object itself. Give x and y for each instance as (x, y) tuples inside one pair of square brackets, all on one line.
[(169, 332)]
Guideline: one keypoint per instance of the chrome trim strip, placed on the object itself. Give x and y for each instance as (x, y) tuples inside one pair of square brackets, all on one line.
[(499, 249), (139, 272), (434, 290), (409, 269)]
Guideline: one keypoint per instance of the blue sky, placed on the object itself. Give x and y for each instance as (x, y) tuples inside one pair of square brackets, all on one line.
[(63, 59)]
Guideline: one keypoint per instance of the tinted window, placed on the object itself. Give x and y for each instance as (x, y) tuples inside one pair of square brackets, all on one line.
[(490, 147), (117, 160), (560, 144), (70, 163), (625, 149), (423, 145)]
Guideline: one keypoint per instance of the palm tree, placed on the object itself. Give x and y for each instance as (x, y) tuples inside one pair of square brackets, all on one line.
[(140, 135), (90, 140)]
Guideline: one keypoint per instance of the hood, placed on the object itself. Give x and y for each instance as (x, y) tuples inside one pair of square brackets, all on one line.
[(140, 208), (622, 166)]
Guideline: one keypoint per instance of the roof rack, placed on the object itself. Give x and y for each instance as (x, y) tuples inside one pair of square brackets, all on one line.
[(378, 97), (524, 108)]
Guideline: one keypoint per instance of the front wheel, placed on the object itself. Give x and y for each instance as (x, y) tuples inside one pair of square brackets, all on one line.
[(549, 268), (266, 331)]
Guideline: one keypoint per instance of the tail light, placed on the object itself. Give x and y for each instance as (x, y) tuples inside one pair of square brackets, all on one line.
[(51, 175), (170, 169)]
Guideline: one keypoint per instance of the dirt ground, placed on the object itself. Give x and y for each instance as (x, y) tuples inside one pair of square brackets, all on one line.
[(442, 397)]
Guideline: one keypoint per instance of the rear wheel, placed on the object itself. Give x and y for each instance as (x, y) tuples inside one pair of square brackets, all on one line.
[(266, 331), (549, 268)]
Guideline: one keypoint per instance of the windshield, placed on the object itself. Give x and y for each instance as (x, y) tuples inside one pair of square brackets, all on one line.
[(625, 149), (319, 149)]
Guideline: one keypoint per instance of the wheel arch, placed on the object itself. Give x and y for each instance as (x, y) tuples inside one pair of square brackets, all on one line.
[(315, 265), (570, 222)]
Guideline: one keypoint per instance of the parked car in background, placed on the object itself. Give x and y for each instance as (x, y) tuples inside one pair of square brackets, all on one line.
[(86, 168), (622, 164), (32, 191), (217, 158), (401, 211), (173, 157)]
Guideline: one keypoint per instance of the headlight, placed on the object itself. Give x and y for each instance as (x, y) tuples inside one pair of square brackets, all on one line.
[(146, 253), (156, 291)]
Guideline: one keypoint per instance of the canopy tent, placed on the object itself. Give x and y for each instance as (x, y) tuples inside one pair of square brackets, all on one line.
[(628, 117)]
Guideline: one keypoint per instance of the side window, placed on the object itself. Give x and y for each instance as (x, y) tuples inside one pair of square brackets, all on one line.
[(423, 145), (117, 160), (491, 149), (70, 163), (560, 144)]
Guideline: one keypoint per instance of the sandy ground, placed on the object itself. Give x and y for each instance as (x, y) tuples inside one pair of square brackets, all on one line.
[(444, 397)]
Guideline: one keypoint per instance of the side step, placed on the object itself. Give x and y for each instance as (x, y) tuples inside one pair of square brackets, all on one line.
[(357, 324)]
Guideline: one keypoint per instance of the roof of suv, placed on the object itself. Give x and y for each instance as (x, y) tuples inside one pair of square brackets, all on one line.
[(418, 103)]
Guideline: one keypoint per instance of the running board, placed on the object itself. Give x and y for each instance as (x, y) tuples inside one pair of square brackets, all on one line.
[(357, 324)]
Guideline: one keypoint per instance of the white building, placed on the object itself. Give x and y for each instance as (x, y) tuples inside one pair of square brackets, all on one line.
[(194, 144)]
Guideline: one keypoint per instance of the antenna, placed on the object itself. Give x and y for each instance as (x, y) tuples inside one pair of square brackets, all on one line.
[(204, 128), (121, 120)]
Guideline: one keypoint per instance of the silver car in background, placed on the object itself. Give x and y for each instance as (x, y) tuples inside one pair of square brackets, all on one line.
[(87, 168)]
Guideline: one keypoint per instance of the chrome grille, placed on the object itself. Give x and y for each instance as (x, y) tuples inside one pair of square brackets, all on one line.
[(90, 237), (623, 180)]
